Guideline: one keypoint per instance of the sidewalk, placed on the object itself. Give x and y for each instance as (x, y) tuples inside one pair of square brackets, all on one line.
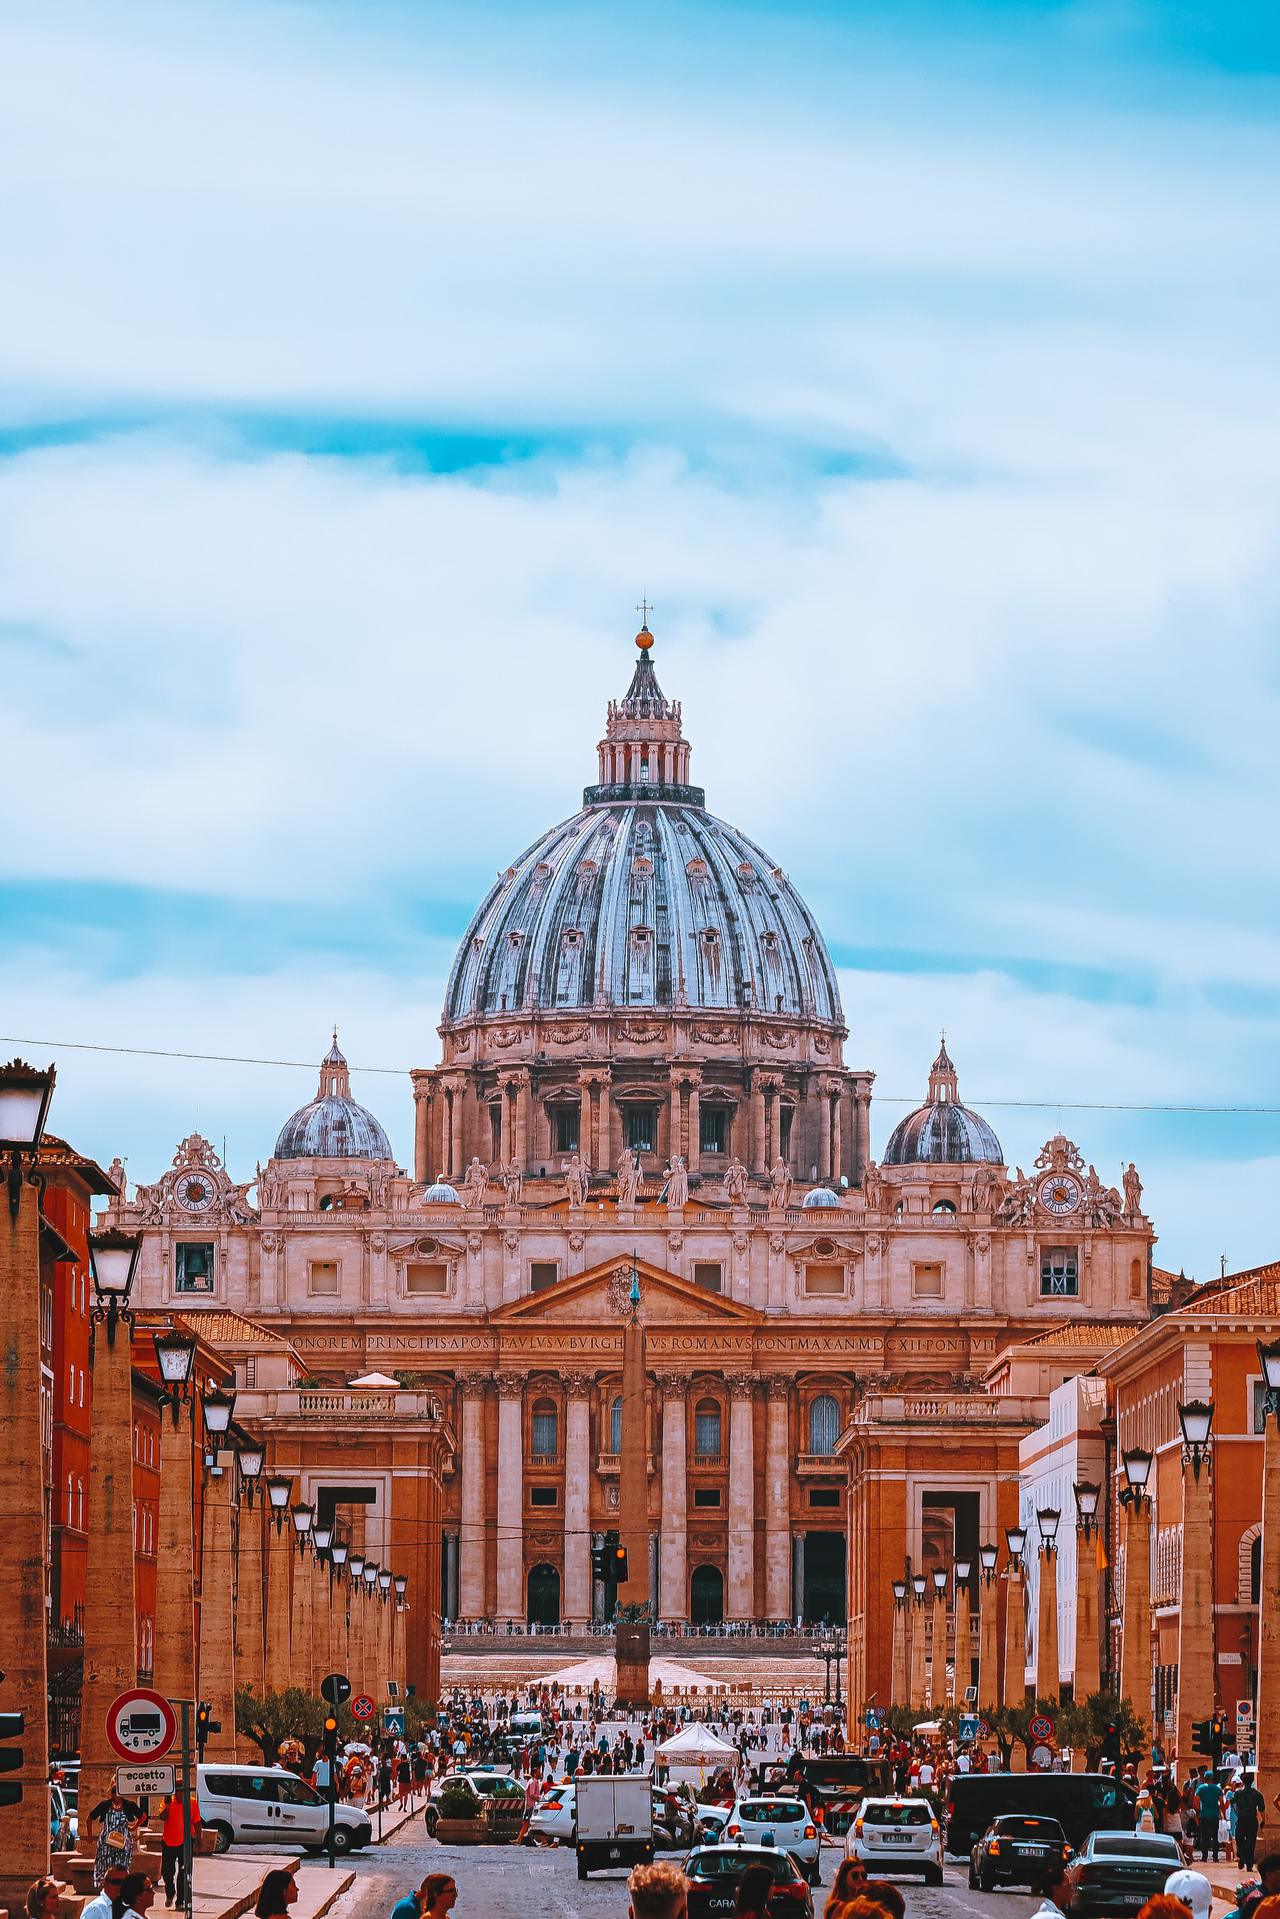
[(227, 1886)]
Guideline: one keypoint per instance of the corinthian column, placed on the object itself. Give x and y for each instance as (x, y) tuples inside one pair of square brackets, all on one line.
[(777, 1517), (759, 1140), (604, 1123), (577, 1501), (472, 1533), (511, 1601), (741, 1594), (673, 1543)]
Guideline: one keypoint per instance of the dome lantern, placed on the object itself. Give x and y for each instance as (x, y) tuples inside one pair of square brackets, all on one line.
[(333, 1125), (644, 754)]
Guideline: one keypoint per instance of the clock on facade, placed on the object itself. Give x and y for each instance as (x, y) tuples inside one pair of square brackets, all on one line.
[(196, 1193), (1060, 1193)]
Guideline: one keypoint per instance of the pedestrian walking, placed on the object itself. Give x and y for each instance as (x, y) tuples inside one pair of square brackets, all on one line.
[(1208, 1796), (171, 1846), (99, 1907), (1249, 1812), (119, 1820)]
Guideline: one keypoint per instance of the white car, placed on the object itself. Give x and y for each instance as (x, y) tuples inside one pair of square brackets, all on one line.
[(269, 1806), (897, 1836), (551, 1822), (776, 1819)]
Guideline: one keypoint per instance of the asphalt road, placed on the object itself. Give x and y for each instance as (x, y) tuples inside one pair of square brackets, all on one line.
[(515, 1882)]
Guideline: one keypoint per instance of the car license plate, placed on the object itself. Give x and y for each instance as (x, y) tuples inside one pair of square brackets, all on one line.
[(722, 1902), (1031, 1852), (1132, 1899), (896, 1839)]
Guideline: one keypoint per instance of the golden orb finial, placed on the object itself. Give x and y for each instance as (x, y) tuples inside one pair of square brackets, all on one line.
[(644, 638)]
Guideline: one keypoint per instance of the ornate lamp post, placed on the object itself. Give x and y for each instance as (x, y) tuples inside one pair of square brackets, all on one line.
[(1268, 1714), (1197, 1668), (355, 1617), (399, 1663), (963, 1667), (216, 1650), (1015, 1620), (1047, 1676), (279, 1574), (988, 1627), (372, 1648), (339, 1600), (304, 1620), (384, 1628), (174, 1660), (938, 1670), (898, 1684), (919, 1587), (250, 1582), (1135, 1649), (110, 1621), (1087, 1671), (25, 1093)]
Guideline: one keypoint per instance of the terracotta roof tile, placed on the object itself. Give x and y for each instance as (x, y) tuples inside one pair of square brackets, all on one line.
[(1253, 1295), (1083, 1334)]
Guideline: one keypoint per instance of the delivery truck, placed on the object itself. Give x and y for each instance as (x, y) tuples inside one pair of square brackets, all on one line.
[(614, 1821)]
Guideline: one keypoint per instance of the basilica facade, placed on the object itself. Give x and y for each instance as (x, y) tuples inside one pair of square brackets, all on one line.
[(643, 1075)]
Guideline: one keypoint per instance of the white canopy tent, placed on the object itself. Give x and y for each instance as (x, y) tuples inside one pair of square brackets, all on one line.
[(696, 1745)]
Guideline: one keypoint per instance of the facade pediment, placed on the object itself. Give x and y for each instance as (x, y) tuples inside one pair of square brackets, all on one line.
[(600, 1294)]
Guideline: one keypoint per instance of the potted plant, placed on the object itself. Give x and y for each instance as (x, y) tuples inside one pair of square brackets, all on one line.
[(458, 1821)]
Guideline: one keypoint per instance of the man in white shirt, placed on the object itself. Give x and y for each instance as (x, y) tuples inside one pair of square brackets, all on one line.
[(1055, 1889), (99, 1907)]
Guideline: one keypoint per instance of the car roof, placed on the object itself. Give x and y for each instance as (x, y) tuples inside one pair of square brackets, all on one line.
[(895, 1799), (275, 1772)]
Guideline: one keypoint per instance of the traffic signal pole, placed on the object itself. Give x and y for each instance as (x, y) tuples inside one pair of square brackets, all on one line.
[(188, 1787)]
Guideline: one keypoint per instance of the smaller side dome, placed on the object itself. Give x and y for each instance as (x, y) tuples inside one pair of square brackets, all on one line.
[(942, 1132), (441, 1193), (819, 1199), (333, 1125)]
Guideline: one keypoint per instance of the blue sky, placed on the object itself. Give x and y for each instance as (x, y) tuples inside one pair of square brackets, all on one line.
[(361, 366)]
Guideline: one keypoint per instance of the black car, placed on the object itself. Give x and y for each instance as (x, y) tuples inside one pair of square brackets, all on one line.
[(1117, 1872), (713, 1873), (1015, 1850)]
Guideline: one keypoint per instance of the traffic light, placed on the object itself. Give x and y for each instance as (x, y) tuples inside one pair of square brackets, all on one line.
[(12, 1726), (597, 1562), (618, 1563), (1202, 1737), (205, 1724), (1217, 1737), (331, 1735), (1111, 1743)]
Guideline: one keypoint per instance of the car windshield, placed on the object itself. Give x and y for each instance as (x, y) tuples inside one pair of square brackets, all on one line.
[(912, 1813), (1130, 1845), (733, 1862), (1015, 1825), (761, 1811)]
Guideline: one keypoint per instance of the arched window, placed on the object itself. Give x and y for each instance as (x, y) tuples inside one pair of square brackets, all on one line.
[(615, 1424), (544, 1429), (706, 1430), (824, 1425), (944, 1206)]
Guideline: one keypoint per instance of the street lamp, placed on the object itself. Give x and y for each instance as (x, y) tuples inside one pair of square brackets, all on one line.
[(322, 1537), (1087, 1494), (356, 1566), (919, 1586), (216, 1408), (899, 1588), (1137, 1471), (988, 1558), (1269, 1360), (25, 1093), (302, 1515), (1015, 1620), (1015, 1538), (963, 1662), (113, 1261), (279, 1493), (939, 1581), (175, 1356), (251, 1459), (988, 1626), (1047, 1519), (402, 1587), (1196, 1420), (1135, 1644), (384, 1581)]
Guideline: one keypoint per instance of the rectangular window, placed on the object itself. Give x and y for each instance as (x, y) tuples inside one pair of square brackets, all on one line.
[(193, 1266), (785, 1116), (828, 1280), (709, 1274), (428, 1276), (1059, 1273), (544, 1495), (640, 1124), (542, 1273), (713, 1129), (322, 1276), (824, 1496), (495, 1130), (926, 1279), (706, 1495), (544, 1435), (564, 1128)]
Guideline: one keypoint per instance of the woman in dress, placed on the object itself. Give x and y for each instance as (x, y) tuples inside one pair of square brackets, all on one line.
[(118, 1821)]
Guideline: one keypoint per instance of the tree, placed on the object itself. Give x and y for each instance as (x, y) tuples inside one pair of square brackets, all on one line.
[(271, 1718)]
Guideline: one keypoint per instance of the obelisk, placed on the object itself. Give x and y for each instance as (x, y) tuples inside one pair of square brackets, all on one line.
[(632, 1622)]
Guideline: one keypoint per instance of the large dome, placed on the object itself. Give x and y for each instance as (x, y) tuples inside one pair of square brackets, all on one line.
[(333, 1125), (643, 899), (942, 1131)]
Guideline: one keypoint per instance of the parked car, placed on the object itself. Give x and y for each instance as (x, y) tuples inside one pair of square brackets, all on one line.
[(1015, 1850), (482, 1782), (266, 1805), (1081, 1802), (712, 1821), (897, 1836), (550, 1822), (713, 1873), (767, 1819), (1116, 1872)]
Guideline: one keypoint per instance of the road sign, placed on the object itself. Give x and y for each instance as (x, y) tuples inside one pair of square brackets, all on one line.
[(969, 1723), (141, 1724), (144, 1782), (873, 1717), (984, 1730), (362, 1706), (1244, 1712), (1041, 1728), (335, 1689), (393, 1720)]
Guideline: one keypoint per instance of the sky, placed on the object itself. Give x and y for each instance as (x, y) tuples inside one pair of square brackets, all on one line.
[(363, 364)]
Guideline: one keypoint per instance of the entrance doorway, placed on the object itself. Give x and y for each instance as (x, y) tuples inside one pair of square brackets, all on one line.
[(824, 1592), (706, 1596), (544, 1596)]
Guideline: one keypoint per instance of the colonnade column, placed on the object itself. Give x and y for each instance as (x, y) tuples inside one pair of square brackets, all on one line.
[(584, 1118), (504, 1113), (824, 1132), (759, 1155), (773, 1122), (421, 1126), (741, 1595), (673, 1545), (777, 1517), (861, 1130), (837, 1136), (471, 1536), (456, 1161), (677, 1116), (695, 1134), (521, 1153), (511, 1601), (576, 1600)]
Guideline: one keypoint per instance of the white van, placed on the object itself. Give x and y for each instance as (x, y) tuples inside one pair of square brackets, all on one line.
[(527, 1725), (268, 1806)]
